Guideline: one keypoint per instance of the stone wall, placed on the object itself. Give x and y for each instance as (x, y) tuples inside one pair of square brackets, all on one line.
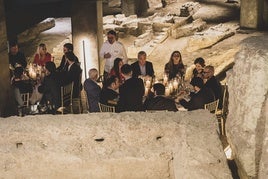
[(159, 145), (6, 97), (3, 36), (247, 123)]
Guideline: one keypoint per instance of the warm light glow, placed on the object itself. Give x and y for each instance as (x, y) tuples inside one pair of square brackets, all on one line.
[(167, 91), (228, 152)]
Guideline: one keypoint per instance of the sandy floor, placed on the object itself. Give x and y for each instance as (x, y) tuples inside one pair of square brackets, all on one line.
[(211, 11)]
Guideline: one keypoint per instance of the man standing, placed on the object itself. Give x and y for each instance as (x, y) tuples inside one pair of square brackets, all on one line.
[(131, 92), (73, 74), (67, 47), (142, 67), (110, 50)]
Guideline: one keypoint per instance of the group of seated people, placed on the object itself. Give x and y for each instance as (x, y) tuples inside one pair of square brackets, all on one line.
[(122, 86), (50, 84), (126, 91)]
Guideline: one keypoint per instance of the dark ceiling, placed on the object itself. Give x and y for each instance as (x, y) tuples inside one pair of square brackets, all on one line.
[(22, 14)]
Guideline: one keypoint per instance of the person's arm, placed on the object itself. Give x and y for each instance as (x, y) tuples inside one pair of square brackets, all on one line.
[(150, 69), (166, 69), (23, 61), (103, 50)]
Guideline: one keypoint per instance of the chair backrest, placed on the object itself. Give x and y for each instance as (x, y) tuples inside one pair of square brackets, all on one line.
[(225, 97), (25, 98), (67, 96), (213, 106), (106, 108)]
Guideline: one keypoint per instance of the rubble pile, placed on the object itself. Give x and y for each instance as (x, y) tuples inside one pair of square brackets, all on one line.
[(154, 29)]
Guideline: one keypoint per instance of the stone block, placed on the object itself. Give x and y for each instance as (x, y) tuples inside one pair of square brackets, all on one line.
[(34, 31), (144, 26), (160, 27), (108, 145), (180, 21), (189, 29), (210, 37), (160, 37), (143, 39), (247, 120), (108, 19)]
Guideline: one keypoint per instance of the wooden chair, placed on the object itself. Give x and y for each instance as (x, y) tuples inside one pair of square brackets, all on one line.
[(77, 102), (106, 108), (77, 105), (26, 99), (212, 107), (222, 113), (66, 98)]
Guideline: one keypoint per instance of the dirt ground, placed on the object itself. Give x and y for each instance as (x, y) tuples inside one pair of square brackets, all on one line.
[(212, 11)]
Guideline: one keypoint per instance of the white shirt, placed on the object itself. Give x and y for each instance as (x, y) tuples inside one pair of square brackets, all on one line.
[(117, 50), (143, 70), (70, 66)]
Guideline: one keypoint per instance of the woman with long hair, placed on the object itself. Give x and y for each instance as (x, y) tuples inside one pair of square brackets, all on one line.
[(116, 70), (42, 56), (175, 66)]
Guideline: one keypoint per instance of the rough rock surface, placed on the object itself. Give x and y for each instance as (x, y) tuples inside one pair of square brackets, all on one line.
[(33, 32), (248, 110), (126, 145), (210, 37)]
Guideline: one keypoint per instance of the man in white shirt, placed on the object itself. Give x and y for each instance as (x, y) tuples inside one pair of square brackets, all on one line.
[(110, 50)]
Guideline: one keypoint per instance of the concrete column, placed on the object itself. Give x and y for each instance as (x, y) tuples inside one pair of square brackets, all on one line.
[(87, 31), (265, 14), (7, 106), (253, 14)]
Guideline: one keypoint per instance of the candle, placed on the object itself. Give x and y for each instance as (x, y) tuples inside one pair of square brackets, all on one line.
[(148, 84), (32, 74), (170, 85), (167, 91), (146, 91), (165, 79), (175, 84)]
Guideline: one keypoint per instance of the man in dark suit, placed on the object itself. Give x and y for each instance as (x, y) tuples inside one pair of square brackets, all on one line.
[(200, 97), (212, 83), (131, 92), (109, 94), (159, 101), (142, 67), (50, 87), (73, 74), (93, 90), (67, 47)]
